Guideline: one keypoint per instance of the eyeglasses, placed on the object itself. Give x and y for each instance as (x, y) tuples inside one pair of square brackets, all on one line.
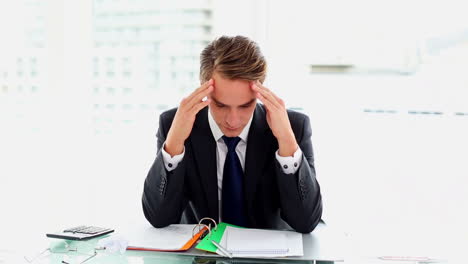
[(68, 249)]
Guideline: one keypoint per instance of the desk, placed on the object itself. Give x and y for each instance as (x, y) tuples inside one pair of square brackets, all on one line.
[(321, 247), (139, 257), (324, 246)]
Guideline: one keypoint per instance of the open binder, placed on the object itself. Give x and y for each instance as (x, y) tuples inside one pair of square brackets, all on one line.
[(223, 239), (179, 237), (215, 234)]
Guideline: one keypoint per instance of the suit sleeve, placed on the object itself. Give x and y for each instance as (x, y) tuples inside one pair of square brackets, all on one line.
[(163, 193), (300, 198)]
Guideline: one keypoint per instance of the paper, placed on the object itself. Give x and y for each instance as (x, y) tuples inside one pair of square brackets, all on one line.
[(114, 244), (255, 241), (262, 243), (172, 237)]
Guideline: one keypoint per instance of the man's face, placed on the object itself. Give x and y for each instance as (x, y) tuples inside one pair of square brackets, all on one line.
[(232, 104)]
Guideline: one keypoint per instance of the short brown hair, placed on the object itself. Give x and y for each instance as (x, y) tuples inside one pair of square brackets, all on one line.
[(234, 58)]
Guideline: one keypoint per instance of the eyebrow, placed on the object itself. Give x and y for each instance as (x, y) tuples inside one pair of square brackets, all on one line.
[(246, 104)]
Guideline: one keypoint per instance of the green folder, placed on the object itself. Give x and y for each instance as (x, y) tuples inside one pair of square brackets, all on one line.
[(216, 235)]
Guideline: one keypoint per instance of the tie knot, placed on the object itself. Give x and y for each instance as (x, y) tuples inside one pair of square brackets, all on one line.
[(231, 142)]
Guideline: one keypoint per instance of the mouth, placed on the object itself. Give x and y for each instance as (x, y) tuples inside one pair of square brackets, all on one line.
[(231, 129)]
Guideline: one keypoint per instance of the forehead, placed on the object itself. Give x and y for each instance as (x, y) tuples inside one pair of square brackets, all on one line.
[(231, 92)]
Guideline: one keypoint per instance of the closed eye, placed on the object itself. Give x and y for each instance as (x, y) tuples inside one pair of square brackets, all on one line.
[(249, 104)]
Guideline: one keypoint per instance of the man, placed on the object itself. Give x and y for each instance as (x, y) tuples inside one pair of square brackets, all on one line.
[(224, 156)]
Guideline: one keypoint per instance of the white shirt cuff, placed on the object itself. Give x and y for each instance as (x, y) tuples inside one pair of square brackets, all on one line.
[(292, 163), (171, 162)]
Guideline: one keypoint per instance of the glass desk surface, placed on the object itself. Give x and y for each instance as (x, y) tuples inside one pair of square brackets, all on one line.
[(319, 246), (74, 252)]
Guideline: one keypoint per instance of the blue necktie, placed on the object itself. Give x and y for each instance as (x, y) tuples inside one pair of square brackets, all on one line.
[(233, 211)]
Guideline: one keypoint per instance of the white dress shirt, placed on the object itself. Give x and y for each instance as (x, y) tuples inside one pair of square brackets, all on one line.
[(288, 164)]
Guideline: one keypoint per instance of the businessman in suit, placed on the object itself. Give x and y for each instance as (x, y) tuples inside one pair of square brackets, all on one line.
[(221, 154)]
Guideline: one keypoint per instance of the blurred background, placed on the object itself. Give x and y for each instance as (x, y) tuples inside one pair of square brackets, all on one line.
[(385, 83)]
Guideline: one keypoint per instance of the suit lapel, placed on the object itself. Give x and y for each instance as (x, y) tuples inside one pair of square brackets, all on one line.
[(204, 149), (257, 147)]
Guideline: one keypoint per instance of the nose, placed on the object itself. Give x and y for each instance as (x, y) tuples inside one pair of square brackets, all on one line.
[(233, 118)]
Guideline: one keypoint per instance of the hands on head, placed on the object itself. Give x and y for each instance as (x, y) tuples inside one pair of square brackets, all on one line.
[(277, 118), (185, 117)]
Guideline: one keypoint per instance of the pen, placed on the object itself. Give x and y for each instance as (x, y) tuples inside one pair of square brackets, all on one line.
[(405, 258), (222, 249)]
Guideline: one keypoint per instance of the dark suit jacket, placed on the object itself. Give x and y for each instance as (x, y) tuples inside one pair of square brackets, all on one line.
[(273, 199)]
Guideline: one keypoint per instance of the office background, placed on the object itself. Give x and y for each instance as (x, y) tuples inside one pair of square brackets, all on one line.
[(82, 84)]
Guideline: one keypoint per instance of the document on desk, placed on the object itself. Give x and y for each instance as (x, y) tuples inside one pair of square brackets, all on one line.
[(171, 238), (248, 242)]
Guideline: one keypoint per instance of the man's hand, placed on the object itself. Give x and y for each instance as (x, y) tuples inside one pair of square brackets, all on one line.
[(277, 118), (185, 117)]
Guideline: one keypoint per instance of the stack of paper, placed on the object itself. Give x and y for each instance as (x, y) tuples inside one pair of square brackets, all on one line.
[(242, 242), (170, 238)]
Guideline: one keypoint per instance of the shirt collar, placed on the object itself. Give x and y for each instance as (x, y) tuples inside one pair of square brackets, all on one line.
[(218, 134)]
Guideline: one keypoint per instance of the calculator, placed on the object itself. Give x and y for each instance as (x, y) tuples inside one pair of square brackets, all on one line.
[(81, 232)]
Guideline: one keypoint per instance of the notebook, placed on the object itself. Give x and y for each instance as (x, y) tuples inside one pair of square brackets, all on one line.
[(255, 241), (250, 242)]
